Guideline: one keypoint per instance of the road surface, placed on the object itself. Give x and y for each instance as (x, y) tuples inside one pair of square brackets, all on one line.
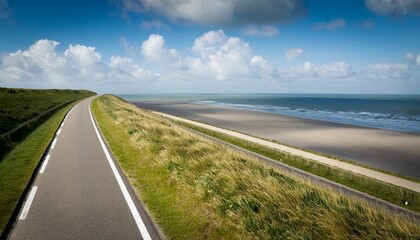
[(80, 192)]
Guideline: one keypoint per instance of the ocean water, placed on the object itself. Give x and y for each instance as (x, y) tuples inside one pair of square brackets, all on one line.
[(392, 112)]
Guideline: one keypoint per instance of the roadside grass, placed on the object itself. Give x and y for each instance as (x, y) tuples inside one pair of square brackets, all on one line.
[(197, 189), (20, 105), (387, 192), (18, 165), (23, 110)]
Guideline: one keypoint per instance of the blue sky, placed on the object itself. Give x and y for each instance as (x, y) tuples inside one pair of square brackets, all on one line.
[(223, 46)]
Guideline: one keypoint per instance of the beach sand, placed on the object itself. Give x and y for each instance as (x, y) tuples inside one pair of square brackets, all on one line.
[(392, 151)]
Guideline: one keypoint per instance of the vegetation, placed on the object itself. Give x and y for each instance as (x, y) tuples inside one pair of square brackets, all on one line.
[(19, 164), (197, 189), (26, 109), (387, 192)]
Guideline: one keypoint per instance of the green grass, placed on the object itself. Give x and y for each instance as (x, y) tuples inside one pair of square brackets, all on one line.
[(20, 105), (17, 166), (198, 189), (23, 110), (387, 192)]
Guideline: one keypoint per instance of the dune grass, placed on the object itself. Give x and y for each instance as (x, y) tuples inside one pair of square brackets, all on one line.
[(197, 189), (390, 193), (18, 165)]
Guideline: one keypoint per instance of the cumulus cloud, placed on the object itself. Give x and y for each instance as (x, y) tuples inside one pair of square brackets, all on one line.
[(394, 7), (331, 25), (154, 50), (5, 11), (215, 58), (218, 12), (42, 64), (262, 30), (293, 53)]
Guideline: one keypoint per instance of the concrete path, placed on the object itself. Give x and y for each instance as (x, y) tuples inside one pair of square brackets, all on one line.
[(80, 192)]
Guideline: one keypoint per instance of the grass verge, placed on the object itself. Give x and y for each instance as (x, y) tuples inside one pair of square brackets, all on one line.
[(197, 189), (387, 192), (18, 165)]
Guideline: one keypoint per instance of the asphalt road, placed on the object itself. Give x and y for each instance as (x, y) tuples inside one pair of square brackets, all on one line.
[(79, 192)]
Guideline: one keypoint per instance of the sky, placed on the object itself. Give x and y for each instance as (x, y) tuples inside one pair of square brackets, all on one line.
[(218, 46)]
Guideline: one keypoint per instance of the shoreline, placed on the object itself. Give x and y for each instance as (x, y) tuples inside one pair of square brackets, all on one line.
[(393, 151)]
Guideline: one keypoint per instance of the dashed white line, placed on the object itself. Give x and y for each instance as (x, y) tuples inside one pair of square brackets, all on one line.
[(53, 143), (28, 203), (44, 165), (59, 131), (140, 224)]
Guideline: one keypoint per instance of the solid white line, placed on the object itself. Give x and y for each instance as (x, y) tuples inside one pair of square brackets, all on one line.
[(44, 165), (53, 143), (59, 131), (28, 204), (131, 205)]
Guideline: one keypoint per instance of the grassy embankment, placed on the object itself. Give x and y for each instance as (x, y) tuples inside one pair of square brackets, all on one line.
[(19, 108), (390, 193), (17, 166), (197, 189)]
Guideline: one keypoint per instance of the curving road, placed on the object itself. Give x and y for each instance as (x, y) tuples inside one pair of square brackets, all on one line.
[(79, 192)]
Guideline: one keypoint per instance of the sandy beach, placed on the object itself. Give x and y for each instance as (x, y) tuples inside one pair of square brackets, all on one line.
[(393, 151)]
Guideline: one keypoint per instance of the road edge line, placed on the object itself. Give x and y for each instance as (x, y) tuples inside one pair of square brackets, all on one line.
[(136, 215)]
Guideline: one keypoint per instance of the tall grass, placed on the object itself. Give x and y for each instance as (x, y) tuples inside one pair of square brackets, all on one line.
[(197, 189), (393, 194)]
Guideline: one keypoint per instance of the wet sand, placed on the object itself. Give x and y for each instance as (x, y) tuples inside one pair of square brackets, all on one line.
[(393, 151)]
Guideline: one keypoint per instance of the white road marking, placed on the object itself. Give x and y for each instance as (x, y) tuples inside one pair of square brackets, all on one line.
[(59, 131), (44, 165), (53, 143), (28, 203), (140, 224), (62, 124)]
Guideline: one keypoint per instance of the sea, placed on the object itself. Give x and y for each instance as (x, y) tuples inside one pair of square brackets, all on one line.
[(391, 112)]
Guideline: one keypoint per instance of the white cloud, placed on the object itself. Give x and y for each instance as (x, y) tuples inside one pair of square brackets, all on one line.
[(129, 48), (331, 25), (83, 55), (154, 50), (309, 71), (215, 60), (394, 7), (293, 53), (336, 70), (218, 12), (5, 11), (386, 71), (412, 58), (262, 30), (41, 65), (226, 57)]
